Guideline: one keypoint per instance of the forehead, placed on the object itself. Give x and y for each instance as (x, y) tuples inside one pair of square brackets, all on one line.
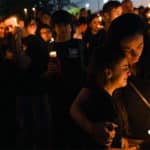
[(95, 19), (117, 9), (45, 29), (122, 62), (132, 41)]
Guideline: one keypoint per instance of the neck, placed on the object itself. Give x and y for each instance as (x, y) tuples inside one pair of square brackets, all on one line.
[(109, 89), (63, 38)]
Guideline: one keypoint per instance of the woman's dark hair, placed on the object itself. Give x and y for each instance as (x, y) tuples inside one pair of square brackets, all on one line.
[(91, 17), (101, 59), (124, 26)]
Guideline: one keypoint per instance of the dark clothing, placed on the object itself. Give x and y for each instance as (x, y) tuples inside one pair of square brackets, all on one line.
[(63, 90), (138, 112), (144, 62), (99, 107), (31, 81), (91, 42)]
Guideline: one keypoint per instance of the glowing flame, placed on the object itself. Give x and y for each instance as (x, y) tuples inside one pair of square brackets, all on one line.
[(52, 54), (148, 131)]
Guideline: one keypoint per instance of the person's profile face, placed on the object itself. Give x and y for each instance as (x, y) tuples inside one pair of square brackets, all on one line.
[(133, 48), (116, 12), (120, 73), (46, 34), (95, 24)]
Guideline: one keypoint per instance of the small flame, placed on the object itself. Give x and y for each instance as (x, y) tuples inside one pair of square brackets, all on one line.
[(148, 131), (52, 54)]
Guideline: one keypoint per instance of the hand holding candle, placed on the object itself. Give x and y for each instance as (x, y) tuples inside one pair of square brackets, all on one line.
[(54, 65)]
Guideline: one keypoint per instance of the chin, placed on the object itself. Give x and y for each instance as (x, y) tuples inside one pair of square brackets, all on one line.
[(124, 85)]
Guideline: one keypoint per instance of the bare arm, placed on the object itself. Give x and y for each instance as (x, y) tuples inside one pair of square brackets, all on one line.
[(98, 131), (76, 112)]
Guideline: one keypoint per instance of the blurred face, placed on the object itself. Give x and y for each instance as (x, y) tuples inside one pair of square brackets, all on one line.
[(45, 18), (32, 27), (63, 30), (45, 34), (2, 30), (83, 27), (120, 74), (116, 12), (133, 48), (95, 24)]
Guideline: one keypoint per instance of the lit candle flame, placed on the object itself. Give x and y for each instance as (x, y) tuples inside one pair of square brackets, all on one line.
[(148, 132), (52, 54), (25, 10), (33, 8)]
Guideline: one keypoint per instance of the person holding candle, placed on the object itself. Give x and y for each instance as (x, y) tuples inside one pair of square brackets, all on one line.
[(94, 109), (65, 76), (126, 32)]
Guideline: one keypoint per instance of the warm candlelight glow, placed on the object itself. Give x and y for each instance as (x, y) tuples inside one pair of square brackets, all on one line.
[(149, 5), (25, 10), (33, 8), (148, 132), (52, 54), (100, 18), (148, 15), (11, 21)]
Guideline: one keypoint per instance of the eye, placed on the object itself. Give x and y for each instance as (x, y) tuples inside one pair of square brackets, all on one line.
[(128, 51), (140, 46)]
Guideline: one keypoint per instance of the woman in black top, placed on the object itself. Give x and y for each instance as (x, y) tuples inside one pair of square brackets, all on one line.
[(94, 109)]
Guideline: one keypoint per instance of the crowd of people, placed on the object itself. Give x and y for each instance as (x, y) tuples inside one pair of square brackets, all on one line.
[(72, 78)]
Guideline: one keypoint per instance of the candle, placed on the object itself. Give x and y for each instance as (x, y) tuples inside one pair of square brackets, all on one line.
[(52, 54), (25, 11), (148, 132), (34, 11)]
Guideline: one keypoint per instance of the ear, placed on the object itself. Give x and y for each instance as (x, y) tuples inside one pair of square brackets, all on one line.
[(108, 73)]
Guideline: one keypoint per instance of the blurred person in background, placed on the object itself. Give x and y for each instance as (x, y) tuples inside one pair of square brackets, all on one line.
[(111, 10), (127, 6), (65, 76), (93, 37), (80, 28)]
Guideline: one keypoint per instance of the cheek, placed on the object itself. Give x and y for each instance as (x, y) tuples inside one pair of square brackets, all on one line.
[(120, 78), (129, 58)]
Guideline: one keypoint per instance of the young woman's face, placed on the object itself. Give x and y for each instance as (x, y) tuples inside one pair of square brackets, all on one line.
[(46, 34), (95, 24), (133, 48), (120, 74)]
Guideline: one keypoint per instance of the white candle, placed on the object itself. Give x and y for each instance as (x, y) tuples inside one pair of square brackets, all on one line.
[(25, 11), (52, 54), (34, 11), (148, 132)]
